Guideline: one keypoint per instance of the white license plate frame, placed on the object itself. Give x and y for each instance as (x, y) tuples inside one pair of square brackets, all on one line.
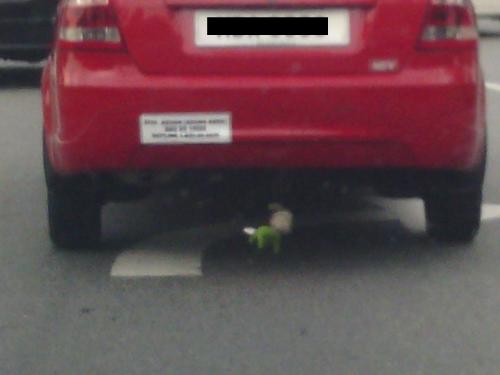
[(339, 29)]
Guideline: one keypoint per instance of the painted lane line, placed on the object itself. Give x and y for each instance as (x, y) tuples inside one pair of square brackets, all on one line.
[(411, 212), (491, 212), (493, 86), (170, 254), (157, 263)]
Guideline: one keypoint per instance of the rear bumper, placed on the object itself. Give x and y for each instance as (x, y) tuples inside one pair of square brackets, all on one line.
[(417, 119)]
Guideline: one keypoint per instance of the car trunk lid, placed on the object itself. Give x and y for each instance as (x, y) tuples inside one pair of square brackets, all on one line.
[(161, 36)]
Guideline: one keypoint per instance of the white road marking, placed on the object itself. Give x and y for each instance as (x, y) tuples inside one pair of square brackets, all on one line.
[(168, 254), (9, 64), (493, 86), (491, 212), (158, 262), (410, 212), (179, 254), (412, 215)]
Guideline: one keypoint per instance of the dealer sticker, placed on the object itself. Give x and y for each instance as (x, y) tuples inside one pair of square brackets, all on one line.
[(185, 128)]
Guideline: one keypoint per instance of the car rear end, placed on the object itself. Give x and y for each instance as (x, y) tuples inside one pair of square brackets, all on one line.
[(146, 86), (26, 28)]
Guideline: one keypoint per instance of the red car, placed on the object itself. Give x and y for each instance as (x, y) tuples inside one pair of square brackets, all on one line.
[(385, 93)]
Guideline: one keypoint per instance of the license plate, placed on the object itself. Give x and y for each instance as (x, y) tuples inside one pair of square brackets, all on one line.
[(336, 21), (185, 128)]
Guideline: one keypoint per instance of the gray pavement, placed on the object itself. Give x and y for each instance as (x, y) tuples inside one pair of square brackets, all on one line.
[(356, 294)]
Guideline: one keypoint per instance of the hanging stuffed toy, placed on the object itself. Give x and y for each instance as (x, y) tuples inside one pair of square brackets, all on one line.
[(270, 237)]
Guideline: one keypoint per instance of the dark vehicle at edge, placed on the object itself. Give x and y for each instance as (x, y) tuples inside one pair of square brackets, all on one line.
[(26, 28)]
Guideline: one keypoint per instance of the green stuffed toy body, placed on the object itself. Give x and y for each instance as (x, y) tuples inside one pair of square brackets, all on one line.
[(269, 237), (266, 237)]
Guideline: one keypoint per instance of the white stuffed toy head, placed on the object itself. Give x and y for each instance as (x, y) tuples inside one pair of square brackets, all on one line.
[(281, 219)]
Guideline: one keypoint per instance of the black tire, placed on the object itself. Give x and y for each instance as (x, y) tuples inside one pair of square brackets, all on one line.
[(454, 217), (454, 214), (74, 210)]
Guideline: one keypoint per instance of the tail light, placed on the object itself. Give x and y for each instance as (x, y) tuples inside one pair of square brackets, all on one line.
[(449, 23), (88, 24)]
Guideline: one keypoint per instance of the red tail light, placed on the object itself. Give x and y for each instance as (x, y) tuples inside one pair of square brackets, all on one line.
[(449, 23), (88, 24)]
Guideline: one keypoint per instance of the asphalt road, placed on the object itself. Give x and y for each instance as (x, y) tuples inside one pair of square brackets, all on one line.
[(362, 291)]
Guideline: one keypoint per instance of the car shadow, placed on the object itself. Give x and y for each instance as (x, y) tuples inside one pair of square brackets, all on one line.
[(126, 224), (329, 247), (350, 241)]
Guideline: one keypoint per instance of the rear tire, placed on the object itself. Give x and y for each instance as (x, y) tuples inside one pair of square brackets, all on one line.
[(454, 214), (454, 217), (74, 209)]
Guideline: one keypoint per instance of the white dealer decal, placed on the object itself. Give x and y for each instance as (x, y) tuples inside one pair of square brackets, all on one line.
[(186, 128)]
